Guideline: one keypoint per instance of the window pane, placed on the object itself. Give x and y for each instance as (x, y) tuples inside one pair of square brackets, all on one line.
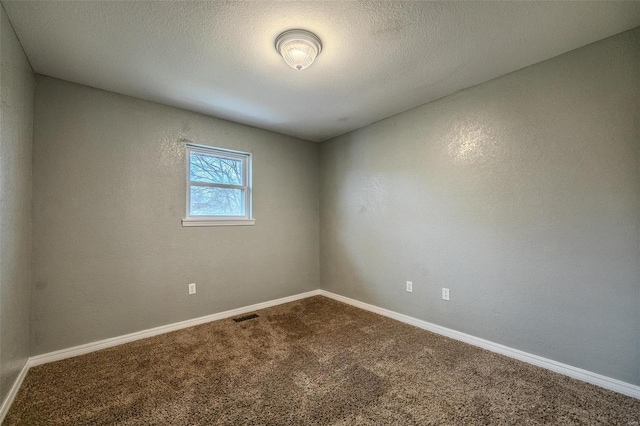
[(212, 169), (212, 201)]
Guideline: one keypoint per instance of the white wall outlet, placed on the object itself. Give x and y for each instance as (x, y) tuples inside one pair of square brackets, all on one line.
[(445, 293), (192, 288), (409, 286)]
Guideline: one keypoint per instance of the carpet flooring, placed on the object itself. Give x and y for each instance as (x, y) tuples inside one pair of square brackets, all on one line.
[(311, 362)]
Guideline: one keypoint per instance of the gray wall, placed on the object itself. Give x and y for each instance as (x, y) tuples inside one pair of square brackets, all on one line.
[(521, 195), (110, 254), (16, 132)]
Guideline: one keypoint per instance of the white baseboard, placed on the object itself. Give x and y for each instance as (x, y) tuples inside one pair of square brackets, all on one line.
[(13, 392), (577, 373), (115, 341), (568, 370)]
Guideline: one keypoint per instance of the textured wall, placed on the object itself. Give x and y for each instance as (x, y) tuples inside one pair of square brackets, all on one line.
[(110, 254), (16, 135), (521, 195)]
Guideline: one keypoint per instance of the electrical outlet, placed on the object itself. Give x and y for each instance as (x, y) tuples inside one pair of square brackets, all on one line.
[(409, 286), (445, 293), (192, 288)]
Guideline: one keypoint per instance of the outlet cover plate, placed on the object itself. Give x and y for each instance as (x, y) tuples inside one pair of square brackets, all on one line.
[(445, 293)]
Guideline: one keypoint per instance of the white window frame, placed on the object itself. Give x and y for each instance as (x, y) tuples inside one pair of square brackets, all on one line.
[(245, 157)]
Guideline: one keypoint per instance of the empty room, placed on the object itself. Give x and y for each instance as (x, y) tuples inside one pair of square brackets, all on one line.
[(319, 213)]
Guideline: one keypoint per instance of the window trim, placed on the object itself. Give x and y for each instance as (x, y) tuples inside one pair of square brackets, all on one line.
[(245, 157)]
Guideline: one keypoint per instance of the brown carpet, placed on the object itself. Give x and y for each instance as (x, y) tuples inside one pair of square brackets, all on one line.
[(310, 362)]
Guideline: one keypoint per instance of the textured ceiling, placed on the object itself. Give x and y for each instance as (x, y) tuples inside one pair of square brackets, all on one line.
[(378, 58)]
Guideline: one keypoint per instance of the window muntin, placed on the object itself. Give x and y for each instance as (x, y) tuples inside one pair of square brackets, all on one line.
[(218, 184)]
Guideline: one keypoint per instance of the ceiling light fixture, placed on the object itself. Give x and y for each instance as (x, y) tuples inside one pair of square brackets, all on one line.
[(299, 48)]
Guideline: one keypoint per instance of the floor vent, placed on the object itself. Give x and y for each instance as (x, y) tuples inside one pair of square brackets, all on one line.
[(248, 317)]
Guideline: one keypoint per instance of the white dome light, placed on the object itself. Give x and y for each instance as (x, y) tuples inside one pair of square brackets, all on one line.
[(299, 48)]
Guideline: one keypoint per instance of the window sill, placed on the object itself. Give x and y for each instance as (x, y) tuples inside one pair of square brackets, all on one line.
[(221, 222)]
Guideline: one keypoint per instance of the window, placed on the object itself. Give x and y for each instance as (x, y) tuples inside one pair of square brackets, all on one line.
[(218, 187)]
